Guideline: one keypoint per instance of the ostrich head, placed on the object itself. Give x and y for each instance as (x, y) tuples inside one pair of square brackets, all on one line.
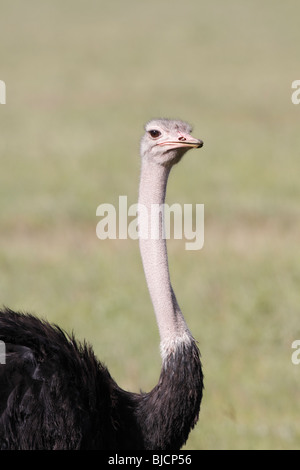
[(166, 141)]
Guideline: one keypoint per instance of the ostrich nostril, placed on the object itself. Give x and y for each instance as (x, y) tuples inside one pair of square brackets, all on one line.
[(181, 138)]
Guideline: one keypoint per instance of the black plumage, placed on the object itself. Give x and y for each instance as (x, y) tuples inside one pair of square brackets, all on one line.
[(55, 394)]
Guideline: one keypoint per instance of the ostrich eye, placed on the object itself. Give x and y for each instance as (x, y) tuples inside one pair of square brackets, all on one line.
[(154, 133)]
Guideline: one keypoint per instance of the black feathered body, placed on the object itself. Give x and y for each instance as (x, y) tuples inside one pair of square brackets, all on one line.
[(55, 394)]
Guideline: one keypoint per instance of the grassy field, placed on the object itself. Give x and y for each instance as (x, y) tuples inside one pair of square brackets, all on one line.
[(82, 78)]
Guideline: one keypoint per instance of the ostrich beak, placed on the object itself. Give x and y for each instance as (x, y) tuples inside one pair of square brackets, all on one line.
[(184, 140)]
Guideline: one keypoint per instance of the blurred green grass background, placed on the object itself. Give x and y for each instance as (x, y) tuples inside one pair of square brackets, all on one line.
[(82, 78)]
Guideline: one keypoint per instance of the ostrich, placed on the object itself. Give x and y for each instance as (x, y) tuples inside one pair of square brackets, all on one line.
[(55, 394)]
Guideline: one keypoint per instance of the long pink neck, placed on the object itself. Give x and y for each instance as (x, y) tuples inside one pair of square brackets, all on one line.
[(172, 327)]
